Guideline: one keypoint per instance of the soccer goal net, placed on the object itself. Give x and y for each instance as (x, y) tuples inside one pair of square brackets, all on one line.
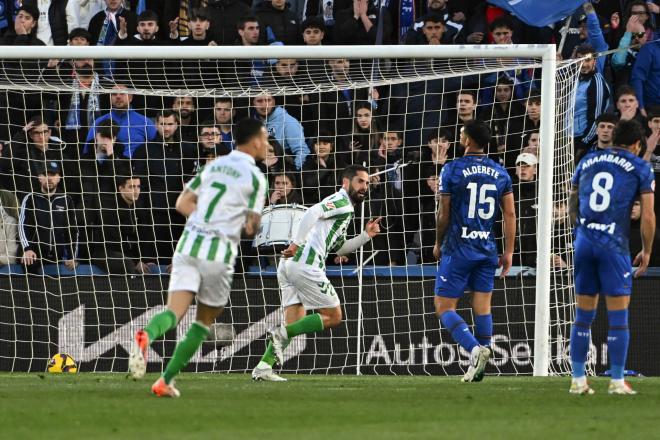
[(97, 143)]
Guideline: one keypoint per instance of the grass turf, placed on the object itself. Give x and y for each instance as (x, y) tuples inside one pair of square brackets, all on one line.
[(380, 407)]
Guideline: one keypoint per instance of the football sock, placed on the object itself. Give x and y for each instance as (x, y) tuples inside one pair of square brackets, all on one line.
[(483, 328), (580, 338), (618, 337), (269, 355), (160, 324), (308, 324), (185, 349), (459, 330)]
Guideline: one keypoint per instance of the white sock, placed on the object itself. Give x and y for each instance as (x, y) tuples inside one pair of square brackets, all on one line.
[(618, 382), (262, 365), (580, 381)]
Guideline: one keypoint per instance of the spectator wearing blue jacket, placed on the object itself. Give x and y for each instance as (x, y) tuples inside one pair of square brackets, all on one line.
[(282, 126), (135, 129), (592, 98), (645, 77)]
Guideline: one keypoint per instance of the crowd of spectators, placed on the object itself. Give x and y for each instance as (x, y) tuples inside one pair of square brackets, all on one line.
[(89, 176)]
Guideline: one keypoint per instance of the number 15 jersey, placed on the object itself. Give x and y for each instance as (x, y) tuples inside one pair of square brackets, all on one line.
[(227, 189), (609, 182), (476, 184)]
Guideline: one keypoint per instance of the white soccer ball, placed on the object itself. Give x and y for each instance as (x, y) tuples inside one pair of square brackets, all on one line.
[(222, 334)]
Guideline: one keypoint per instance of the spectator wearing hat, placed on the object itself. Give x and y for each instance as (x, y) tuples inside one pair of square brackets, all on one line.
[(47, 223), (525, 194)]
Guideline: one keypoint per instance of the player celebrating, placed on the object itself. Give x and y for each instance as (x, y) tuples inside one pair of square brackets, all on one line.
[(605, 186), (226, 197), (470, 189), (300, 272)]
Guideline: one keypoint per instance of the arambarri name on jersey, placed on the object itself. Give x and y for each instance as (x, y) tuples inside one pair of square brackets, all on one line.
[(609, 182)]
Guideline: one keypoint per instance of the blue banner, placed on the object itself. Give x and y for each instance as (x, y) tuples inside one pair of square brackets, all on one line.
[(539, 13)]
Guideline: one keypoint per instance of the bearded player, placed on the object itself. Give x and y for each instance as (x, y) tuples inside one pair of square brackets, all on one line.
[(301, 273)]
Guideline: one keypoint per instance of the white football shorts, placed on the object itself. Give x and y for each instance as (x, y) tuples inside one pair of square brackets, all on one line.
[(304, 284), (209, 280)]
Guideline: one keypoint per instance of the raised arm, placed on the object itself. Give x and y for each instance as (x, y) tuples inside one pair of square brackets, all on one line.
[(370, 231)]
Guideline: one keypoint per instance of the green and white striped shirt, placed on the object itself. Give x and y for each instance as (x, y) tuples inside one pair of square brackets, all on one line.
[(226, 190), (329, 232)]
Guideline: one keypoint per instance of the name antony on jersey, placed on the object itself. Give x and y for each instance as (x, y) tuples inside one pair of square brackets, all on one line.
[(481, 169), (225, 169), (611, 158)]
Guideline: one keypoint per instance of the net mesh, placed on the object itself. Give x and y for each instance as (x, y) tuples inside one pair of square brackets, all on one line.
[(112, 214)]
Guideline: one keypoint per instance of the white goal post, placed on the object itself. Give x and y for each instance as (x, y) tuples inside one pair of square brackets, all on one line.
[(556, 116)]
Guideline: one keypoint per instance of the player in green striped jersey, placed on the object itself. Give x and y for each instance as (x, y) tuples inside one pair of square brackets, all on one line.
[(301, 273), (224, 200)]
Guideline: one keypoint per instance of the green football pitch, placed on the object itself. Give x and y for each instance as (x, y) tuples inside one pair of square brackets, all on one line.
[(99, 406)]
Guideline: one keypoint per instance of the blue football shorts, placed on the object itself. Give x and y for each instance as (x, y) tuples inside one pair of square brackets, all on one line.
[(456, 275), (599, 270)]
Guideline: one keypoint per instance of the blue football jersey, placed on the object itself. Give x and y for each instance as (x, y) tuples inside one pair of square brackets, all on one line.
[(476, 185), (609, 181)]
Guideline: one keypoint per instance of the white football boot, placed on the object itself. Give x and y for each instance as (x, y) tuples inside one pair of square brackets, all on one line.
[(580, 386), (478, 361), (620, 387), (265, 372)]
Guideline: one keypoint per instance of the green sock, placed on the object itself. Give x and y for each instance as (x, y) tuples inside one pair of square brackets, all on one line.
[(308, 324), (269, 355), (185, 349), (160, 324)]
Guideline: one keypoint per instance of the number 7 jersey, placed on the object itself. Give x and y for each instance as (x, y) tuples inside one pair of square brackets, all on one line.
[(608, 183), (476, 184), (227, 189)]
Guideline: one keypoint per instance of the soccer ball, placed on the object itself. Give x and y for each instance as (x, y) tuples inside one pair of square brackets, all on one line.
[(62, 363)]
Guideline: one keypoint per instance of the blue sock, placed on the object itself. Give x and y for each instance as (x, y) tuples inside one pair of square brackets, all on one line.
[(618, 337), (483, 328), (459, 330), (580, 338)]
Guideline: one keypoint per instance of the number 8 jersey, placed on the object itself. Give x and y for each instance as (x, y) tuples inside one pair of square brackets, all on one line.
[(476, 184), (609, 181), (226, 189)]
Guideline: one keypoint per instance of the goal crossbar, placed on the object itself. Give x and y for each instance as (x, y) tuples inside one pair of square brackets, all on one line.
[(255, 52)]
